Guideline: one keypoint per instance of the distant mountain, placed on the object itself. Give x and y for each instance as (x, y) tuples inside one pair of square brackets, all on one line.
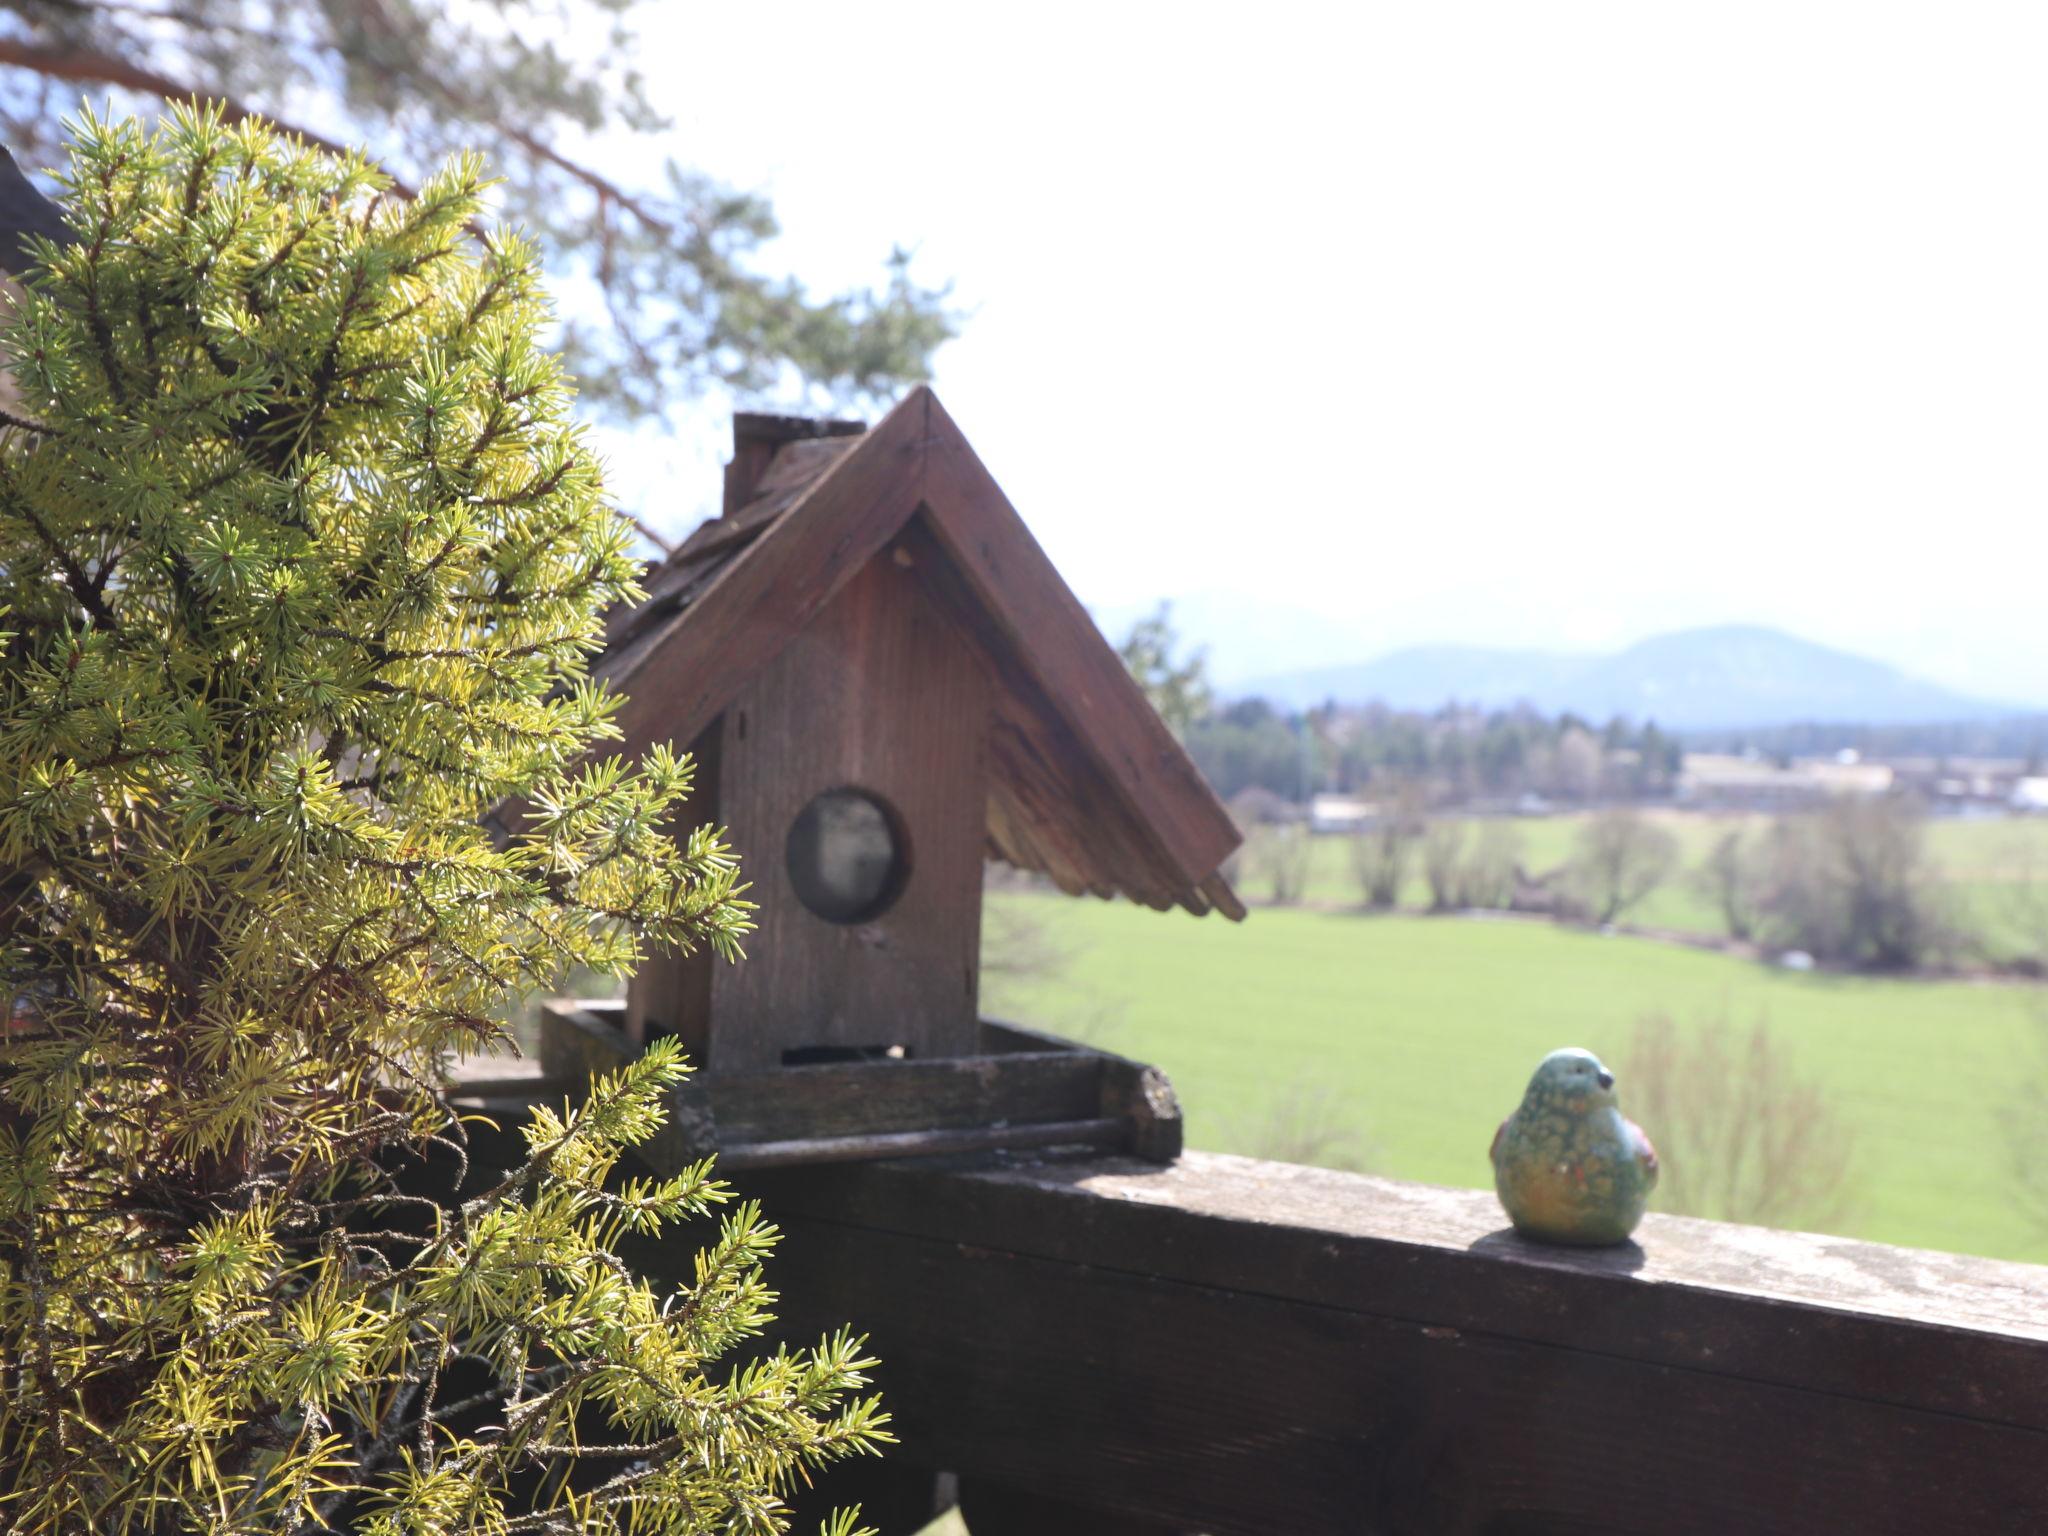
[(1247, 635), (1697, 679)]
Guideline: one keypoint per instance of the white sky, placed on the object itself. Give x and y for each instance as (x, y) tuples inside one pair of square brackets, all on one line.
[(1550, 325)]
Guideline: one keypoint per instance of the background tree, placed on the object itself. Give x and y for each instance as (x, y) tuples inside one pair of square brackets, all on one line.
[(1280, 857), (1578, 762), (1741, 1135), (1382, 850), (2024, 1118), (301, 560), (1619, 857), (1486, 875), (658, 271), (2018, 937), (1732, 877), (1309, 1121), (1247, 744), (1176, 682), (1443, 862), (1458, 753), (1853, 883)]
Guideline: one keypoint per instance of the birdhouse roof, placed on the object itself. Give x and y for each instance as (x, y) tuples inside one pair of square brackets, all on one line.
[(1087, 785)]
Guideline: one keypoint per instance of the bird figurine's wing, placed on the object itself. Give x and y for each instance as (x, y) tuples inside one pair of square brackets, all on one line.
[(1646, 1153)]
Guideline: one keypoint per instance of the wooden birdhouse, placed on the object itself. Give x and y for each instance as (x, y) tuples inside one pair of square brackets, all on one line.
[(885, 683)]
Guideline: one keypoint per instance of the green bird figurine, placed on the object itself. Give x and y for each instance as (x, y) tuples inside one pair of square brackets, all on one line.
[(1570, 1167)]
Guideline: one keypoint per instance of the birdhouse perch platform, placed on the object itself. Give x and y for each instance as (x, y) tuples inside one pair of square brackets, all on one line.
[(1023, 1090)]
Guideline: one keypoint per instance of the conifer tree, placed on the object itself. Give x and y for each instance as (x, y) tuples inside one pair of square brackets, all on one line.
[(302, 560)]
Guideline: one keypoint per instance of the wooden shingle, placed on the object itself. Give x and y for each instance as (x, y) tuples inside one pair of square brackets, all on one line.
[(1085, 783)]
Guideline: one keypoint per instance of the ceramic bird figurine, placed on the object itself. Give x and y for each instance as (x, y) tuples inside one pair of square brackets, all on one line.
[(1570, 1167)]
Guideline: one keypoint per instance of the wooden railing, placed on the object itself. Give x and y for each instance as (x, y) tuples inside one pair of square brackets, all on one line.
[(1084, 1344), (1233, 1346)]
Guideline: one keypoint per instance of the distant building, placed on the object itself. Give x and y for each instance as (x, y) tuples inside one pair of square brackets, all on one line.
[(1257, 806), (1339, 813), (2030, 795), (1854, 777), (1720, 781)]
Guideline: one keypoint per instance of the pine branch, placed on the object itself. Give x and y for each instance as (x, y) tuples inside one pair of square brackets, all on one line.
[(242, 977), (80, 64)]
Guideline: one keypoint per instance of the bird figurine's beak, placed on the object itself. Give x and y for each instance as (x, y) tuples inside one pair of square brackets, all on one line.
[(1606, 1079)]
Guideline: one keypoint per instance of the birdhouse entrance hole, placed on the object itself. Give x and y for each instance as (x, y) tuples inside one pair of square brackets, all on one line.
[(847, 856)]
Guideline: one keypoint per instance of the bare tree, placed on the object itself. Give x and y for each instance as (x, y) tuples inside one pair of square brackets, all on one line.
[(1280, 857), (1486, 877), (1380, 852), (1620, 856), (1443, 845), (1027, 965), (2025, 1120), (2017, 936), (1740, 1134), (1853, 883), (1734, 880), (1018, 945), (1312, 1121)]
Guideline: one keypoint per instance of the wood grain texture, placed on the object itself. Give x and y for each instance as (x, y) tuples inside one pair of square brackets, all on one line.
[(1236, 1346), (1086, 783), (1022, 1090), (671, 992), (876, 693), (1051, 807), (998, 1509), (1101, 1135), (939, 1093), (577, 1041), (757, 438), (1077, 668), (686, 670)]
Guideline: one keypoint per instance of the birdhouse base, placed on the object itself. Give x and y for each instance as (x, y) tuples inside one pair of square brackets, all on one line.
[(1022, 1090)]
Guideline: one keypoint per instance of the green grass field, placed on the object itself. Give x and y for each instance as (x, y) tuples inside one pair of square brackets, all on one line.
[(1427, 1029), (1987, 864)]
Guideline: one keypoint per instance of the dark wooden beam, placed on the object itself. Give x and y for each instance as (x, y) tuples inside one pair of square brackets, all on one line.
[(1233, 1346)]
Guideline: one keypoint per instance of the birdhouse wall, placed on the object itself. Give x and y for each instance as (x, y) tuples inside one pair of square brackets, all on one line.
[(877, 694)]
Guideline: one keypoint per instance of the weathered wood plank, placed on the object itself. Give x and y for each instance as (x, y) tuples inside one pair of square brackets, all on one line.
[(1240, 1346), (578, 1040), (671, 993), (1241, 1414), (1021, 1090), (757, 440), (858, 1098), (1018, 585), (996, 1509), (1087, 783), (878, 694), (1943, 1332), (685, 671), (1051, 805), (1103, 1134)]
